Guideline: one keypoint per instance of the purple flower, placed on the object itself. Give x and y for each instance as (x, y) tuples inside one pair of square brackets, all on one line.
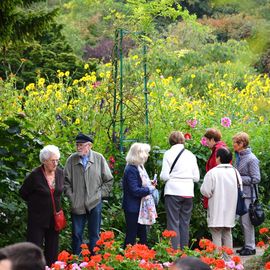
[(167, 264), (61, 264), (226, 122), (230, 264), (203, 141), (239, 267), (83, 264), (75, 266), (192, 123)]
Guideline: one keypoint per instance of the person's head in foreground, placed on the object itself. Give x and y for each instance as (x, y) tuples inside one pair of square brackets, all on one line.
[(189, 263), (25, 256), (5, 262)]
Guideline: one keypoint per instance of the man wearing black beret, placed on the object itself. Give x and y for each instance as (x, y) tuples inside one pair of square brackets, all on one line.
[(88, 179)]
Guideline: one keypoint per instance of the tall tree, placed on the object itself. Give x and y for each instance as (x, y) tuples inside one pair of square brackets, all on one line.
[(20, 20)]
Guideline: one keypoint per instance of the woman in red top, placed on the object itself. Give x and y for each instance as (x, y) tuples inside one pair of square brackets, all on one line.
[(213, 141), (36, 191)]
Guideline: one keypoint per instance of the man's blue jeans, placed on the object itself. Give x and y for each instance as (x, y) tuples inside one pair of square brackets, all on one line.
[(93, 218)]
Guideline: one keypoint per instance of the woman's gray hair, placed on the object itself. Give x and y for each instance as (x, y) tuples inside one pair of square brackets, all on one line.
[(138, 153), (47, 151)]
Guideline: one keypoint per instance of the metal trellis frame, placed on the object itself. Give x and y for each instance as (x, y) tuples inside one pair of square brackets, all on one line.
[(117, 62)]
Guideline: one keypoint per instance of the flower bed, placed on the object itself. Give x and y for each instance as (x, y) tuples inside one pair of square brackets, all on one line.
[(110, 255)]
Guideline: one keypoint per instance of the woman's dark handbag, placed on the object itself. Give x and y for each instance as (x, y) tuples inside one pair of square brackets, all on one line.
[(241, 208), (59, 220), (256, 212)]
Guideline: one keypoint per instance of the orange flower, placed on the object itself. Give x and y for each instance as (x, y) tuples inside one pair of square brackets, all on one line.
[(150, 266), (100, 242), (91, 263), (108, 244), (236, 259), (207, 260), (63, 256), (219, 263), (171, 251), (119, 258), (204, 243), (210, 247), (260, 244), (106, 256), (85, 252), (96, 258), (84, 246), (267, 266), (169, 234), (86, 259), (263, 230), (96, 249), (227, 250), (56, 266), (140, 252), (105, 267), (108, 235)]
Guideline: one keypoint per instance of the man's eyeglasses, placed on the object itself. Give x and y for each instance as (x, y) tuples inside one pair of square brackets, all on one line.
[(81, 144)]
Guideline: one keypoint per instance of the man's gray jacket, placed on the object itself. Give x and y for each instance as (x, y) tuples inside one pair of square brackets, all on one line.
[(86, 187)]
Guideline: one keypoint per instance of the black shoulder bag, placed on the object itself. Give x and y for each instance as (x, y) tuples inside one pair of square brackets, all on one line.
[(256, 213), (178, 156)]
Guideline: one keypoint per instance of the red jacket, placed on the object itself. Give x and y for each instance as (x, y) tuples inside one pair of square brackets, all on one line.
[(211, 163)]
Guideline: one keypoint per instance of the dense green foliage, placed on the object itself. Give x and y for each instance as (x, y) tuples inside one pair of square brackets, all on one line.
[(18, 153), (203, 69), (32, 44), (20, 21)]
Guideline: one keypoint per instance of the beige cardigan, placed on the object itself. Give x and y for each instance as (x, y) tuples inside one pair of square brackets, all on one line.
[(220, 186)]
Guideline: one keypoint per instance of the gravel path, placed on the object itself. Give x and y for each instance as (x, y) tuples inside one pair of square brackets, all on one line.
[(259, 251)]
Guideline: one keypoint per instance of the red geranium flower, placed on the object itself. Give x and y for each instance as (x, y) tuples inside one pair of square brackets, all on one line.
[(236, 259), (220, 263), (187, 136), (263, 230), (227, 250), (84, 246), (106, 256), (63, 256), (119, 258), (267, 266), (85, 252), (260, 244), (96, 249), (169, 234)]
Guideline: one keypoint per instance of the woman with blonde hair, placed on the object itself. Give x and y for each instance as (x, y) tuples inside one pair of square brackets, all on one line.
[(248, 166), (136, 186)]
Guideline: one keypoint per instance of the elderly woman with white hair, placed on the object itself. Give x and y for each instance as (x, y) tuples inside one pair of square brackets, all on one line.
[(43, 183), (136, 187)]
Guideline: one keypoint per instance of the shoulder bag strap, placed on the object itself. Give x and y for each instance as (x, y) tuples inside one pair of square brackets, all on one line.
[(178, 156), (256, 191), (238, 183)]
